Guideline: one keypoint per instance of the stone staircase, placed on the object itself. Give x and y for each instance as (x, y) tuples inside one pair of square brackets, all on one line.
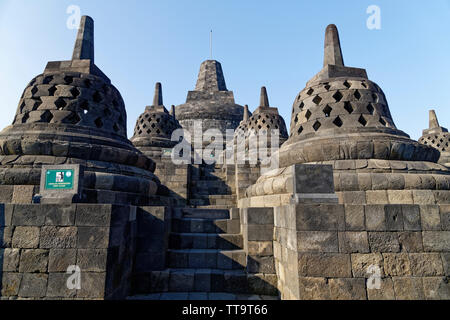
[(205, 261), (208, 188)]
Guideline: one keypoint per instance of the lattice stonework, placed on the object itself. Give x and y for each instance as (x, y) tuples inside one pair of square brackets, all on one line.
[(155, 124), (73, 98), (340, 103), (439, 141)]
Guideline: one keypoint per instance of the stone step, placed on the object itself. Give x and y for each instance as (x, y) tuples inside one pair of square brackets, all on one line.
[(202, 225), (207, 200), (206, 280), (208, 184), (201, 296), (216, 206), (206, 241), (207, 258), (206, 213)]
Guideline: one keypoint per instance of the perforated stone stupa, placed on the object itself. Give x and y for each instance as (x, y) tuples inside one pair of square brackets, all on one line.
[(210, 102), (437, 137), (72, 114)]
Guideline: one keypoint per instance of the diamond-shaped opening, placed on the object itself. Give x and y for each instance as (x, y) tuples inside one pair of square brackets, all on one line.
[(375, 97), (382, 121), (327, 110), (370, 108), (158, 119), (34, 90), (300, 130), (75, 92), (153, 125), (317, 100), (348, 107), (146, 116), (149, 131), (140, 131), (264, 121), (338, 122), (98, 123), (51, 91), (60, 103), (327, 86), (47, 79), (338, 96), (364, 84), (296, 118), (46, 116), (158, 131), (347, 84), (97, 97), (25, 117), (362, 120), (259, 127), (68, 79), (310, 91), (357, 95), (37, 103), (316, 125), (302, 105), (116, 127), (308, 115), (73, 118), (87, 83)]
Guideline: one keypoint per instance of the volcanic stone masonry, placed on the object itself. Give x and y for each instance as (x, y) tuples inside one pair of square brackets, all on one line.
[(356, 209)]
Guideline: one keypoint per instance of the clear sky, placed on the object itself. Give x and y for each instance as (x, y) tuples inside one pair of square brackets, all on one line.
[(278, 44)]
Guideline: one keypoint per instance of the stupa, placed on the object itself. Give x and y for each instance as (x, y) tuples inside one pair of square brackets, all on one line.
[(437, 137)]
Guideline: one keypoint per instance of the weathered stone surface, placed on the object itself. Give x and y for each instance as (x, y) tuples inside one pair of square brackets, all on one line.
[(375, 218), (352, 242), (385, 292), (317, 241), (383, 242), (61, 215), (9, 259), (28, 215), (61, 259), (426, 264), (57, 286), (26, 237), (430, 218), (33, 260), (407, 288), (436, 288), (92, 237), (410, 241), (436, 241), (92, 259), (347, 289), (411, 218), (58, 237), (33, 285), (324, 265), (354, 218), (10, 283), (313, 288), (92, 285), (362, 262), (397, 264)]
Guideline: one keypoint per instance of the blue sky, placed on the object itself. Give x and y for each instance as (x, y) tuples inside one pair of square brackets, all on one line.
[(278, 44)]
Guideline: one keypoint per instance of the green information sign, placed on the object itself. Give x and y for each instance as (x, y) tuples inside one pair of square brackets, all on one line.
[(59, 179)]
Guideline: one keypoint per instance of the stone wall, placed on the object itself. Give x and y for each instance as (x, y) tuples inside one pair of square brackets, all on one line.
[(39, 242), (175, 178), (324, 251)]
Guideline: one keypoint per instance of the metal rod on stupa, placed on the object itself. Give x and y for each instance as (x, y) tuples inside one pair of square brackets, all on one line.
[(157, 98), (172, 111), (332, 52), (263, 99), (84, 44), (433, 123)]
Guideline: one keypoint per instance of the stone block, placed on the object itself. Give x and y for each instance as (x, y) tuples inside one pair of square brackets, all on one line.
[(446, 262), (22, 194), (393, 217), (320, 217), (260, 232), (407, 288), (93, 215), (411, 218), (58, 237), (92, 260), (33, 285), (347, 289), (26, 237), (436, 241), (353, 242), (260, 264), (436, 288), (362, 264), (317, 241), (445, 217), (423, 197), (92, 237), (262, 248), (6, 236), (385, 292), (313, 289), (60, 215), (260, 216), (313, 178), (396, 264), (354, 197), (60, 259), (410, 241), (324, 265), (383, 242), (354, 218), (375, 217), (400, 197), (57, 286), (426, 264), (10, 284), (33, 260), (430, 217), (182, 281), (9, 260), (202, 280), (159, 281), (28, 215), (376, 197), (92, 285)]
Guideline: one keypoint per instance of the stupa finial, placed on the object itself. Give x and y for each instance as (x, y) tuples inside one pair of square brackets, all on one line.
[(245, 117), (433, 123), (157, 98), (263, 99), (333, 52), (84, 44)]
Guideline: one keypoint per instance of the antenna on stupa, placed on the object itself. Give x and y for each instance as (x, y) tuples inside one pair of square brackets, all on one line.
[(263, 98), (157, 98), (84, 44), (210, 45), (332, 52)]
